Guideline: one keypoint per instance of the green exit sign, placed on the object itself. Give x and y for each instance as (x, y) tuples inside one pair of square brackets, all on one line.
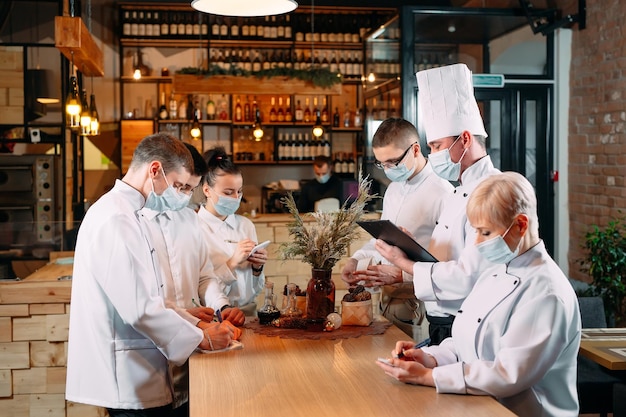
[(488, 80)]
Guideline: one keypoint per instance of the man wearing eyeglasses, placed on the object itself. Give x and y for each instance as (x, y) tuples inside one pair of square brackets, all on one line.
[(413, 200)]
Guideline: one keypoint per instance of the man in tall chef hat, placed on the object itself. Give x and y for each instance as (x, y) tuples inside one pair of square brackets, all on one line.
[(455, 133)]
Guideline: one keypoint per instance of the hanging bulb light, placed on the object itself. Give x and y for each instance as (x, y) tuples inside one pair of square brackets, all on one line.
[(245, 8), (195, 131), (72, 103), (95, 118), (257, 129), (318, 129), (85, 116)]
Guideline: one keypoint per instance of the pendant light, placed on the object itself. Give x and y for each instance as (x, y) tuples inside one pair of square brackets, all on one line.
[(72, 103), (95, 117), (257, 129), (85, 116), (318, 129), (244, 8), (195, 131)]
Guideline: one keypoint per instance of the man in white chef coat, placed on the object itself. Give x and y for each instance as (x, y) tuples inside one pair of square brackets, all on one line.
[(121, 333), (187, 273), (456, 136), (414, 200)]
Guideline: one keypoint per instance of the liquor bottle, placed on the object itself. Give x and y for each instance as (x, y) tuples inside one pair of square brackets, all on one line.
[(149, 24), (210, 109), (238, 110), (234, 29), (223, 108), (358, 119), (287, 27), (336, 117), (141, 27), (134, 24), (306, 154), (344, 164), (315, 147), (215, 28), (324, 115), (273, 28), (281, 147), (346, 116), (156, 24), (337, 165), (299, 148), (197, 111), (288, 114), (181, 25), (315, 111), (267, 29), (351, 164), (349, 66), (273, 113), (326, 145), (190, 108), (204, 26), (251, 28), (260, 29), (291, 148), (247, 115), (163, 114), (182, 109), (280, 113), (173, 30), (334, 65), (307, 111), (255, 108), (126, 30), (299, 113), (224, 29), (196, 24), (173, 105), (280, 28), (245, 29), (342, 64)]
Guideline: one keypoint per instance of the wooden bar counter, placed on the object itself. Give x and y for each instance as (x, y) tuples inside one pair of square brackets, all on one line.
[(273, 376)]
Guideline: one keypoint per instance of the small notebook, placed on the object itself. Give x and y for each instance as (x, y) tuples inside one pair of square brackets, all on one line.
[(234, 345)]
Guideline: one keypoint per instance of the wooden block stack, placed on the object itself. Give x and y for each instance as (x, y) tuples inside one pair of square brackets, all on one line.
[(33, 346), (11, 85)]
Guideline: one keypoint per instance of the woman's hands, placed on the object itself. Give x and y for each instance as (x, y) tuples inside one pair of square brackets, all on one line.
[(242, 251), (413, 367)]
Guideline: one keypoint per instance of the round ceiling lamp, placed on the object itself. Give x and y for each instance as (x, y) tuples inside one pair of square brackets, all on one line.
[(244, 8)]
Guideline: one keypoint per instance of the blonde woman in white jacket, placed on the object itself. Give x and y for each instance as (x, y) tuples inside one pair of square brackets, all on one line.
[(517, 334)]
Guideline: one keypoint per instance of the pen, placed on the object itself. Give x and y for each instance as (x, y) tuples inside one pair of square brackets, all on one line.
[(218, 313), (419, 345), (230, 241), (193, 301)]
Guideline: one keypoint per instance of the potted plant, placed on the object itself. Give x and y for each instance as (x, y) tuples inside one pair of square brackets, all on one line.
[(606, 264), (322, 243)]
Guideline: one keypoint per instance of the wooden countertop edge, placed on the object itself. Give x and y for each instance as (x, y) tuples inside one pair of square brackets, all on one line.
[(43, 292)]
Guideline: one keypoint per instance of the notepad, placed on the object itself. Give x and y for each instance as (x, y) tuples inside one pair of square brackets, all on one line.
[(391, 234), (234, 345)]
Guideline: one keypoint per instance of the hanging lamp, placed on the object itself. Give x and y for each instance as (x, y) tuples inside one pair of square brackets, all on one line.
[(257, 129), (318, 129), (85, 116), (244, 8), (73, 105)]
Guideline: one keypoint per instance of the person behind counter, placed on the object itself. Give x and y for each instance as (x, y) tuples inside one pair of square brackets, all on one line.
[(517, 334), (229, 236), (187, 273), (121, 334), (324, 185)]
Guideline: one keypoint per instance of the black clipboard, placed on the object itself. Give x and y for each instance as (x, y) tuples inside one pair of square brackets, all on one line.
[(391, 234)]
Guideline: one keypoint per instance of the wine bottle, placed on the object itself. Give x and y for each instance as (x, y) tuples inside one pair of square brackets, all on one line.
[(326, 145), (280, 113), (288, 114), (173, 107), (307, 111), (190, 107), (223, 107), (336, 117), (234, 29), (247, 115), (287, 27), (324, 115), (306, 145), (267, 29), (273, 113), (196, 24), (210, 109), (245, 29), (215, 28), (148, 24), (238, 110), (299, 148), (358, 119), (162, 114), (280, 28), (126, 30), (273, 28), (224, 29), (344, 164), (141, 27), (299, 113), (156, 24), (181, 25)]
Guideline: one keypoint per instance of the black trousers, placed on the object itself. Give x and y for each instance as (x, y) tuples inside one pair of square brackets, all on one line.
[(439, 328), (165, 411)]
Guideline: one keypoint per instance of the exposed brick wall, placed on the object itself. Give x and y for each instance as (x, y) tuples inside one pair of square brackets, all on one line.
[(597, 125)]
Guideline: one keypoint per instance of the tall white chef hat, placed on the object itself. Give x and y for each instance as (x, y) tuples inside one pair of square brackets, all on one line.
[(446, 102)]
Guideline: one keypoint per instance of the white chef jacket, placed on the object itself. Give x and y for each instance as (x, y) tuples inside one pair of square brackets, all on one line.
[(516, 337), (121, 335), (444, 285), (187, 272), (241, 287), (415, 205)]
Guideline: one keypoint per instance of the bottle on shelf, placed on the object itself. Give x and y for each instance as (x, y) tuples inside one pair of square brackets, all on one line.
[(291, 148), (324, 114), (344, 164), (126, 25), (358, 118), (182, 109), (307, 111), (288, 114), (273, 113), (346, 116), (215, 28), (190, 107), (299, 112), (223, 108), (224, 28), (141, 28), (299, 148), (336, 117), (173, 107), (337, 164), (247, 111), (197, 111), (234, 29), (307, 148), (163, 113), (280, 113), (238, 110), (351, 164), (281, 147), (273, 28), (181, 25), (267, 29), (326, 146), (210, 109)]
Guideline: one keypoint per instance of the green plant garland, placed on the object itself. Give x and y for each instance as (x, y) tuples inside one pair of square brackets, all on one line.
[(319, 77)]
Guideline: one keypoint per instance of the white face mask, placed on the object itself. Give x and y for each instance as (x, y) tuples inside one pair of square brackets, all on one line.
[(442, 164), (170, 199), (226, 206), (496, 250)]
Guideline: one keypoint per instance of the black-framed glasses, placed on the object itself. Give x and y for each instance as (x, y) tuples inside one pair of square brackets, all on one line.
[(393, 164)]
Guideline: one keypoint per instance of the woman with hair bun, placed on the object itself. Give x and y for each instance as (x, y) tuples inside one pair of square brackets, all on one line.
[(230, 237)]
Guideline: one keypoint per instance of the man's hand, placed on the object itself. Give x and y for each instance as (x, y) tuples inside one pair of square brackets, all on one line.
[(234, 315), (377, 275), (203, 313), (347, 273), (220, 335)]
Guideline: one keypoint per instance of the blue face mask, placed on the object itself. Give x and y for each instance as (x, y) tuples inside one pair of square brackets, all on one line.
[(496, 250), (442, 164), (170, 199), (323, 179), (226, 206), (399, 173)]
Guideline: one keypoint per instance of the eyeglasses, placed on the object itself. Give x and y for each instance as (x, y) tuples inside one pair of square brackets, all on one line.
[(393, 164)]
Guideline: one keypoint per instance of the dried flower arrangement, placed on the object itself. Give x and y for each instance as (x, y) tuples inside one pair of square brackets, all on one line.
[(323, 242)]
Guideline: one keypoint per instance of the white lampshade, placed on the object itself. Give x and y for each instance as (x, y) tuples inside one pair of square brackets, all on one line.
[(244, 7)]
